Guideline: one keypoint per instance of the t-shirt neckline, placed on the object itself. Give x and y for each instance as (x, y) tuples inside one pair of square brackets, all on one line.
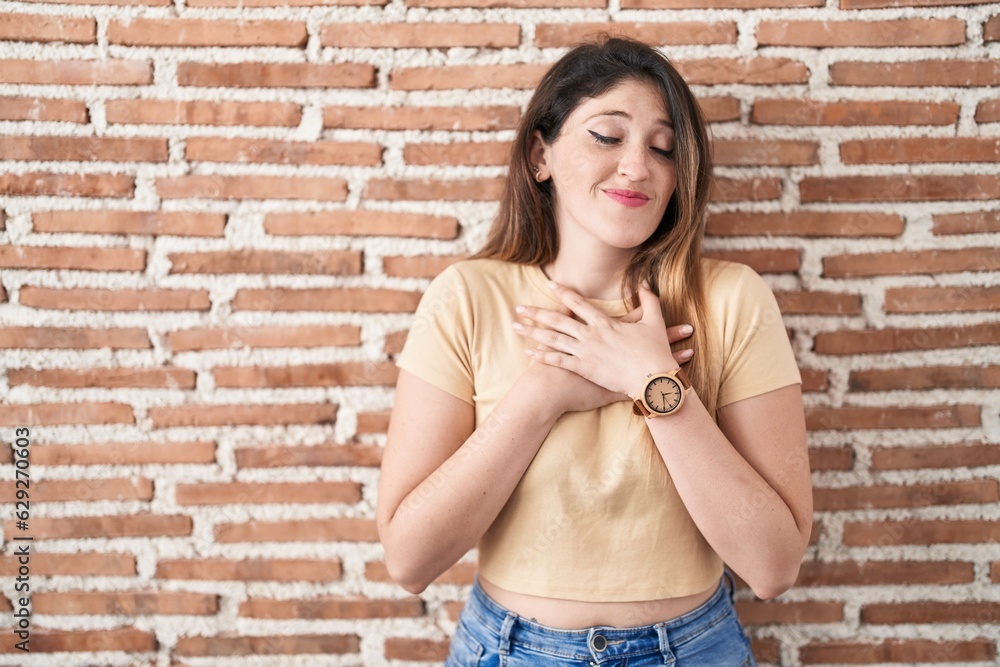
[(540, 281)]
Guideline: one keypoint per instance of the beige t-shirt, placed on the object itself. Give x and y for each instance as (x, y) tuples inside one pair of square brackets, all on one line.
[(595, 516)]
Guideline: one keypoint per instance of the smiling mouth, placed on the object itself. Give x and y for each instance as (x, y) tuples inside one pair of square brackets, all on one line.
[(627, 197)]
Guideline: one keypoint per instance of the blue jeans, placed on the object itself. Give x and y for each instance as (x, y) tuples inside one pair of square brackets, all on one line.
[(490, 635)]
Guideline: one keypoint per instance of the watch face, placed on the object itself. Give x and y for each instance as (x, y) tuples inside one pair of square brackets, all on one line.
[(663, 395)]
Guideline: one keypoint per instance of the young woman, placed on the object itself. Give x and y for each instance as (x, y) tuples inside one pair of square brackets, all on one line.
[(541, 414)]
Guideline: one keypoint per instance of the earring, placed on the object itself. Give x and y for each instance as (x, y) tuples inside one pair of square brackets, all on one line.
[(536, 174)]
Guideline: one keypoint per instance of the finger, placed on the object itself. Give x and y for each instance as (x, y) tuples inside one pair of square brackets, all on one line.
[(554, 340), (631, 316), (679, 332), (551, 319), (557, 359), (650, 303), (576, 303), (683, 356)]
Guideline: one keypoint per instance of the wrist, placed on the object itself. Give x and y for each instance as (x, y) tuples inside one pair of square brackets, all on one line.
[(651, 366)]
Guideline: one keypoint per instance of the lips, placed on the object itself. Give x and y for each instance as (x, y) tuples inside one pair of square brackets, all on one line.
[(629, 198)]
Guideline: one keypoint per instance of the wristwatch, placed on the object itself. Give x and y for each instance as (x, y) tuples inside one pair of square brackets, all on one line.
[(662, 394)]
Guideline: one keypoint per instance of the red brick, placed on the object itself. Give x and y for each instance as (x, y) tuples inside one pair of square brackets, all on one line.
[(926, 377), (276, 75), (106, 72), (852, 113), (45, 640), (121, 603), (717, 4), (872, 341), (350, 299), (242, 414), (851, 418), (126, 453), (482, 4), (37, 109), (420, 266), (818, 303), (253, 493), (115, 300), (459, 574), (261, 151), (752, 152), (908, 651), (331, 607), (52, 414), (264, 337), (252, 260), (880, 573), (941, 299), (995, 571), (417, 650), (522, 76), (312, 456), (103, 527), (40, 184), (322, 644), (719, 109), (911, 151), (218, 569), (919, 611), (201, 112), (469, 189), (896, 32), (141, 223), (40, 338), (69, 258), (871, 4), (304, 530), (198, 32), (422, 118), (549, 35), (988, 111), (831, 458), (72, 565), (458, 153), (373, 422), (756, 612), (709, 71), (804, 224), (935, 456), (48, 28), (148, 3), (83, 149), (961, 73), (944, 531), (761, 261), (977, 222), (424, 35), (899, 188), (991, 29), (344, 374), (218, 186), (977, 491), (147, 378), (361, 223), (914, 262), (745, 189), (83, 490), (240, 4)]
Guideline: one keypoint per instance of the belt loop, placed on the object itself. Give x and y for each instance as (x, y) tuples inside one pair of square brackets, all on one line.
[(668, 655), (731, 583), (508, 625)]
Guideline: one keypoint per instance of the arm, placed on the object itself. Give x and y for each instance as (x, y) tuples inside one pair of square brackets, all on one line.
[(745, 482)]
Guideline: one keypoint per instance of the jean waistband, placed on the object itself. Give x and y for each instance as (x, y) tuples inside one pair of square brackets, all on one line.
[(599, 642)]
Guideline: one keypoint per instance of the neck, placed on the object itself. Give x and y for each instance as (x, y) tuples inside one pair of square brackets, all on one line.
[(589, 274)]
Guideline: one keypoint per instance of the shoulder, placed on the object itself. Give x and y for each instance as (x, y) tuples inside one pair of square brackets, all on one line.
[(727, 281)]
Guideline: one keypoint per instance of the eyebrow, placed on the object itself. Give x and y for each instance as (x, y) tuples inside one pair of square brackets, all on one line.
[(665, 123)]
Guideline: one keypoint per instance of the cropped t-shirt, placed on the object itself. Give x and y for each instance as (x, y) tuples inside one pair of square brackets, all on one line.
[(595, 516)]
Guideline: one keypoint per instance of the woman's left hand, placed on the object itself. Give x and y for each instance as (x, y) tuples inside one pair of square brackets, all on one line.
[(616, 354)]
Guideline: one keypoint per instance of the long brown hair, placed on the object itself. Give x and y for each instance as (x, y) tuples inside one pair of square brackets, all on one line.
[(525, 232)]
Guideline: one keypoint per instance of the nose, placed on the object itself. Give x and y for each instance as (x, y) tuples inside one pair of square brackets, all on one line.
[(633, 163)]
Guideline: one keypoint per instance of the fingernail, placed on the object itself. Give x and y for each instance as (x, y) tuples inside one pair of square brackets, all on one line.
[(686, 330), (686, 354), (520, 309), (645, 283), (517, 326), (529, 352), (553, 284)]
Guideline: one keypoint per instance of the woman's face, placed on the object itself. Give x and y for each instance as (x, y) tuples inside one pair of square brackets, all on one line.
[(611, 167)]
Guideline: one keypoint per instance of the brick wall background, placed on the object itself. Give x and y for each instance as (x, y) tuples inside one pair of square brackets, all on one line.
[(217, 216)]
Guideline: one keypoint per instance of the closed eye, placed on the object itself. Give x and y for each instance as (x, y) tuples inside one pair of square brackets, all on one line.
[(601, 139)]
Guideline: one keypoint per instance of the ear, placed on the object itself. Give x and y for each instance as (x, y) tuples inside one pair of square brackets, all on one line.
[(538, 153)]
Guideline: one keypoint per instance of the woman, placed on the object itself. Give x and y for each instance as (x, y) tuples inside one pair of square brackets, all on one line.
[(540, 412)]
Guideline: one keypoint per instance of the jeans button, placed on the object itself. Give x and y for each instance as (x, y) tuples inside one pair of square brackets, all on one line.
[(598, 643)]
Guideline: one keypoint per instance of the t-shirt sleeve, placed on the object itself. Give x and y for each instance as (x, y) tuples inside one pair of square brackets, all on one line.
[(438, 345), (759, 357)]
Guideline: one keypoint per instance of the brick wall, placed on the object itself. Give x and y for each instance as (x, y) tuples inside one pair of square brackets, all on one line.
[(217, 216)]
